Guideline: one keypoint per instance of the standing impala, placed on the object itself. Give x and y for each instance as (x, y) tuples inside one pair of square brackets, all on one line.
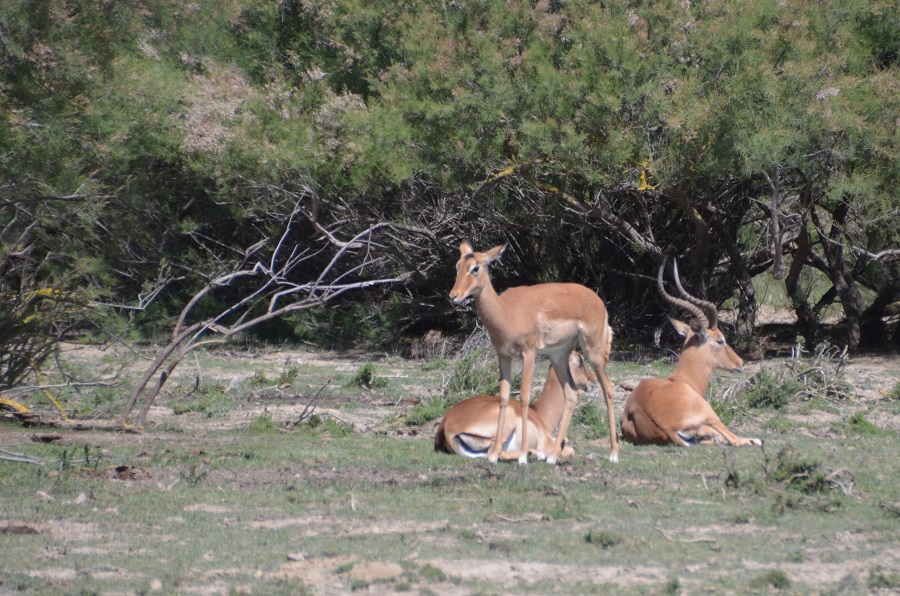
[(673, 410), (530, 320), (469, 427)]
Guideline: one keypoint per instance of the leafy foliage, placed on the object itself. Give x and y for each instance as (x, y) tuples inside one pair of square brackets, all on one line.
[(144, 144)]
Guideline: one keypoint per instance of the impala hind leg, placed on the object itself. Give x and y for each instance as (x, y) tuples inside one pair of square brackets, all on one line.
[(714, 433), (732, 438), (561, 368), (598, 353)]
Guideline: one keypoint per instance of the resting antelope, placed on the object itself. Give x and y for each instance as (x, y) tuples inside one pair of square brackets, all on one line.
[(469, 427), (526, 321), (673, 410)]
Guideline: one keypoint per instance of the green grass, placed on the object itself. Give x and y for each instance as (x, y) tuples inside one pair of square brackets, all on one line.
[(356, 498), (201, 504)]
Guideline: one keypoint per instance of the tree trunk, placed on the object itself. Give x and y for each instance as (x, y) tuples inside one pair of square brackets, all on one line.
[(873, 328), (840, 273), (745, 322), (807, 320)]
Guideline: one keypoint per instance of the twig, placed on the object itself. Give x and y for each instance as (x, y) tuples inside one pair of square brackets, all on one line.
[(887, 507), (20, 458), (846, 487), (310, 408), (664, 535)]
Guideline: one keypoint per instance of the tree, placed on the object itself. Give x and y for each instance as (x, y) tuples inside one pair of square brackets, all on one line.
[(268, 280)]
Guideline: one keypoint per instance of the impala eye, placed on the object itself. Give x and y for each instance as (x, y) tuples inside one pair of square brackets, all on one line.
[(473, 270)]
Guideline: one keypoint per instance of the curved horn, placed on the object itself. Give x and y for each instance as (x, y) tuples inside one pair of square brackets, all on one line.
[(708, 307), (686, 305)]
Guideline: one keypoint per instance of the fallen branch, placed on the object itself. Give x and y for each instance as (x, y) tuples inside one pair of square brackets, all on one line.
[(38, 420), (20, 458), (893, 510)]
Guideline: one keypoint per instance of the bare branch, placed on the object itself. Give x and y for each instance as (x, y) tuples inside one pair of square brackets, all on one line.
[(275, 286), (20, 458)]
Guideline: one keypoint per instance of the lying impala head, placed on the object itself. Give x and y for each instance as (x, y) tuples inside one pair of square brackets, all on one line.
[(583, 377), (472, 271), (703, 333)]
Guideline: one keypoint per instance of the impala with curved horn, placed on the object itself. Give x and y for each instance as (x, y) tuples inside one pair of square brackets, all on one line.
[(673, 410), (469, 427), (526, 321)]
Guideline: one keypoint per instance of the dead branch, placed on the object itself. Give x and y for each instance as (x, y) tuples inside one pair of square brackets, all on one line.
[(275, 290), (37, 420), (311, 405), (20, 458)]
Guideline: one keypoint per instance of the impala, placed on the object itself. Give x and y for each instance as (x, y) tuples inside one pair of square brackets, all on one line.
[(469, 427), (673, 410), (526, 321)]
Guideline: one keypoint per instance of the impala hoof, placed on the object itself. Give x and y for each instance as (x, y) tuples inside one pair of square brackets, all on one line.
[(614, 458)]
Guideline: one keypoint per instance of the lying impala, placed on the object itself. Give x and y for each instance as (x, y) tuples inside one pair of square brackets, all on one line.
[(469, 427), (673, 410), (526, 321)]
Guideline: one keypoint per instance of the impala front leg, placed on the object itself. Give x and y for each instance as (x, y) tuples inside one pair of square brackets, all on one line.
[(524, 400), (505, 387)]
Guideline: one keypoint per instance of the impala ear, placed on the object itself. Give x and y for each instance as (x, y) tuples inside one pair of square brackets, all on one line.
[(698, 328), (494, 253), (682, 329), (465, 248)]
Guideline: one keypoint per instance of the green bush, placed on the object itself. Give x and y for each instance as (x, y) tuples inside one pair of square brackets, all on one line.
[(776, 578), (426, 411), (856, 424), (602, 538), (476, 372), (894, 393), (262, 425), (367, 378), (771, 389), (590, 417)]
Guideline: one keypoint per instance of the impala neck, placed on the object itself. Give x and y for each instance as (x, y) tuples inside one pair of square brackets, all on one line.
[(490, 308), (693, 369), (551, 403)]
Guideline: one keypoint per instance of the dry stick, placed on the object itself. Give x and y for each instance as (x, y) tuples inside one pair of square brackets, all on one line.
[(310, 408), (886, 507), (20, 458)]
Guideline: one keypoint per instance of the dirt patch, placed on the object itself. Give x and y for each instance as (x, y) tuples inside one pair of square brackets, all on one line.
[(317, 573), (518, 574), (123, 472), (71, 531), (55, 575), (318, 525), (205, 508)]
